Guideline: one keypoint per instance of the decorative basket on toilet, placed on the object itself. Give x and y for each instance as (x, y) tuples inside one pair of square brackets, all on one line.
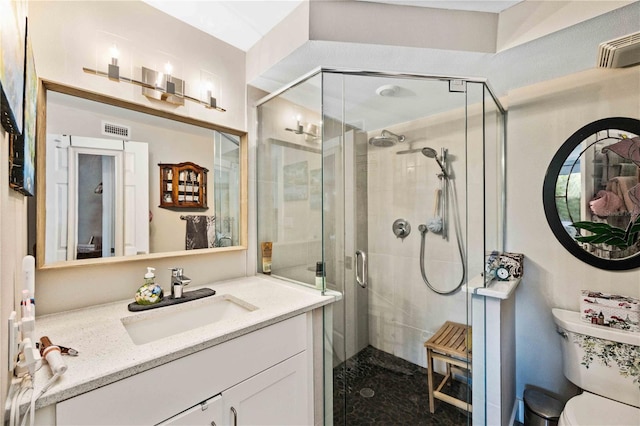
[(622, 312)]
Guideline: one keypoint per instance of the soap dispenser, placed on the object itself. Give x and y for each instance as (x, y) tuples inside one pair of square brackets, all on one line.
[(150, 292)]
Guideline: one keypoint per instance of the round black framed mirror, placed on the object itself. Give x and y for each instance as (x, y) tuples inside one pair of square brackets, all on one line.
[(591, 193)]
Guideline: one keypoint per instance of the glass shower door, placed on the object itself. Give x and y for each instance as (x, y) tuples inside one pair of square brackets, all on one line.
[(341, 157), (387, 313)]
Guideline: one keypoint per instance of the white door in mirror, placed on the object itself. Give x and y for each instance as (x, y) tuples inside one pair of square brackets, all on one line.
[(57, 183), (136, 198), (97, 198)]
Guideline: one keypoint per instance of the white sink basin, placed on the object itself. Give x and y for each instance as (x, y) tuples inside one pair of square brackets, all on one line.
[(170, 320)]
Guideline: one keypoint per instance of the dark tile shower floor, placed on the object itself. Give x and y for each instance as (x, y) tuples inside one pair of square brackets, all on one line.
[(401, 395)]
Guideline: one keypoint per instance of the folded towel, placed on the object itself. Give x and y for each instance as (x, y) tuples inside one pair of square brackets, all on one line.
[(606, 203)]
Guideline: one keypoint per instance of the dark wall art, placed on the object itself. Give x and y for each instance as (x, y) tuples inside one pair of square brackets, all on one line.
[(22, 152), (12, 59)]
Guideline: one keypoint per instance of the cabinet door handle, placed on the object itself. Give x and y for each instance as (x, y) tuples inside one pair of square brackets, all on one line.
[(235, 416)]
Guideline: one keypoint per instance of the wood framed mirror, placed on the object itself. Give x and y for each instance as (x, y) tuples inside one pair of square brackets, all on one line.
[(591, 193), (98, 180)]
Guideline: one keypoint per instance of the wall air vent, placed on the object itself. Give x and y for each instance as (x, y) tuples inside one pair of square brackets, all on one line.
[(620, 52), (117, 130)]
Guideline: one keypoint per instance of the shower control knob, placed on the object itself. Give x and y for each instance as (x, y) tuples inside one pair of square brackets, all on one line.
[(401, 228)]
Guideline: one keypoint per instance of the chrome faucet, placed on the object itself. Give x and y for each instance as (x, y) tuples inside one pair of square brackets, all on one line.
[(178, 281)]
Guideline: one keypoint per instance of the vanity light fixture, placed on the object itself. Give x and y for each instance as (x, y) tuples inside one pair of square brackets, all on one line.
[(311, 132), (161, 86), (208, 83)]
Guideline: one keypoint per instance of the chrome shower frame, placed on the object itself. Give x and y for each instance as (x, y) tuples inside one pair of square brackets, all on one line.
[(356, 72), (444, 166)]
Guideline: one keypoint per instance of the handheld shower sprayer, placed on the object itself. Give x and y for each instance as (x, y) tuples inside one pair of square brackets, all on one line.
[(431, 153)]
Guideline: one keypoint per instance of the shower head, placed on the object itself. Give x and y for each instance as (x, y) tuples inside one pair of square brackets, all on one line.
[(431, 153), (386, 139)]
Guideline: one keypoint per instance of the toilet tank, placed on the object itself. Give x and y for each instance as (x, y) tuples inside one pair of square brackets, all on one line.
[(599, 359)]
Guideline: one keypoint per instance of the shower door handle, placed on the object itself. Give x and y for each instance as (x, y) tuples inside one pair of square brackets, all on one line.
[(363, 273)]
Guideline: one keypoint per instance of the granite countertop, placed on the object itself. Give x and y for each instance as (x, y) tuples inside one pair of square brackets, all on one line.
[(107, 353)]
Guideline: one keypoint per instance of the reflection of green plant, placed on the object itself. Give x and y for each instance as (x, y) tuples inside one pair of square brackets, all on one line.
[(570, 194), (603, 233)]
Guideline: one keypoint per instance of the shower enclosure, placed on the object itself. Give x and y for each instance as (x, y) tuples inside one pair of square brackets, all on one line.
[(392, 186)]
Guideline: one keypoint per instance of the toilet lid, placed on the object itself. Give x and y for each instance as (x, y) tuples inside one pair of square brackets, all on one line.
[(590, 409)]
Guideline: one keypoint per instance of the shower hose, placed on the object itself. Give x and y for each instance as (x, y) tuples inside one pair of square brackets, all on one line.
[(456, 224)]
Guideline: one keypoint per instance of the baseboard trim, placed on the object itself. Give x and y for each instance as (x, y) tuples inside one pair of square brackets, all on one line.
[(519, 408)]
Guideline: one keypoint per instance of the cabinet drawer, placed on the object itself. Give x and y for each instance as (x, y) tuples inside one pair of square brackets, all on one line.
[(157, 394)]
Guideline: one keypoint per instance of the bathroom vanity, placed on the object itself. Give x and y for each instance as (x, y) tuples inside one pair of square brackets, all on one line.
[(252, 367)]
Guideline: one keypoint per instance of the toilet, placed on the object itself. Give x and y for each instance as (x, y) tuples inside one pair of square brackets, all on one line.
[(608, 398)]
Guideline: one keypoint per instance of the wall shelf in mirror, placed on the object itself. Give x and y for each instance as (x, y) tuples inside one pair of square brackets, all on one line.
[(67, 115), (183, 186)]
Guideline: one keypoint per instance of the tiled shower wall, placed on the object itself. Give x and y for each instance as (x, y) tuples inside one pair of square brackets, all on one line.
[(403, 312)]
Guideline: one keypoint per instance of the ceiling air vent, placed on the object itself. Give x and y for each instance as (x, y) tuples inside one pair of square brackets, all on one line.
[(117, 130), (620, 52)]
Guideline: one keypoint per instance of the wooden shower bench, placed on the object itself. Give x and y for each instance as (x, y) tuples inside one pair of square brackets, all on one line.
[(449, 344)]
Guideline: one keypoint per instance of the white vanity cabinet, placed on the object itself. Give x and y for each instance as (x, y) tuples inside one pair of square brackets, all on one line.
[(277, 396), (207, 413), (261, 378)]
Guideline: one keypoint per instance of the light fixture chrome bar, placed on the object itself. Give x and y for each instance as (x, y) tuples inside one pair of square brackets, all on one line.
[(212, 104), (165, 87)]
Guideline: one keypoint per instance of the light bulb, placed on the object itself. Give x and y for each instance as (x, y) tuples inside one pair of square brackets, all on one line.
[(114, 54), (168, 68), (208, 87)]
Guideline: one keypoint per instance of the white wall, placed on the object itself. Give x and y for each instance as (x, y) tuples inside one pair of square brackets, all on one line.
[(541, 118), (13, 246), (68, 36), (532, 19), (389, 24)]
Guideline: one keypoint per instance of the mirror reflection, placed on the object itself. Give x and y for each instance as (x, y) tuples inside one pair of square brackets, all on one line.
[(596, 193), (108, 193)]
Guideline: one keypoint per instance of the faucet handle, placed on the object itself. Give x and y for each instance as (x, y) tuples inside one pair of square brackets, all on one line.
[(176, 272)]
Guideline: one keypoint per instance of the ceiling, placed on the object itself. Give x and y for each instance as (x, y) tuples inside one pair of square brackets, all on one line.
[(241, 23)]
